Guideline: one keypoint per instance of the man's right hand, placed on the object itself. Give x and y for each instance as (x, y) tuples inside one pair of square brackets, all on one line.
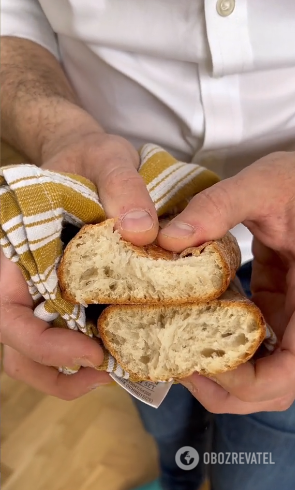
[(42, 118), (32, 347), (33, 350)]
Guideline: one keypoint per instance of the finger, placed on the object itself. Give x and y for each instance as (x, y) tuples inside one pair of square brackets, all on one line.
[(290, 297), (269, 287), (49, 380), (267, 257), (124, 195), (209, 215), (36, 340), (268, 278), (269, 378), (14, 289), (288, 341), (269, 272), (251, 196), (217, 400), (272, 306), (33, 337), (273, 287)]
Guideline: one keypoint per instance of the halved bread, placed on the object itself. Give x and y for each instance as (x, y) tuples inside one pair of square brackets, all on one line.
[(158, 343), (98, 266)]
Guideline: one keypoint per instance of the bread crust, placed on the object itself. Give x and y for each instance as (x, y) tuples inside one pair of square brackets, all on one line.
[(229, 254), (230, 298), (226, 249)]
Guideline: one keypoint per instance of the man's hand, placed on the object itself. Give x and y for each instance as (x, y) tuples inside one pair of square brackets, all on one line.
[(31, 346), (262, 197), (111, 163), (43, 119)]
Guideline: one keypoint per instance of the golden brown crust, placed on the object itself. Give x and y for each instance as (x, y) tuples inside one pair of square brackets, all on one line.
[(152, 252), (230, 252), (230, 298), (226, 249)]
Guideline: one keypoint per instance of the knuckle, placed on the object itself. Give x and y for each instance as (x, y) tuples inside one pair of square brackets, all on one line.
[(111, 147), (217, 199), (121, 178), (41, 358)]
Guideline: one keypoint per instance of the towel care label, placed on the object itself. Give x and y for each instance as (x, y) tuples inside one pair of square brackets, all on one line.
[(146, 391)]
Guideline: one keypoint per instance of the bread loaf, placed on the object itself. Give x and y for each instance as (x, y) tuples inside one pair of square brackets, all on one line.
[(158, 342), (98, 266)]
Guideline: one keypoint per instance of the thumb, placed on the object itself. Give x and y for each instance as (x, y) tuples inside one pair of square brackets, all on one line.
[(111, 163), (209, 215), (261, 196), (123, 192)]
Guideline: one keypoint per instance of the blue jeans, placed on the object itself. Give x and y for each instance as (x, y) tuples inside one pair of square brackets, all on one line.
[(182, 421)]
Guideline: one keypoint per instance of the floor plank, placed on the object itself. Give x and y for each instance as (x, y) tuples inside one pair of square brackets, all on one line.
[(59, 445), (16, 407), (6, 472)]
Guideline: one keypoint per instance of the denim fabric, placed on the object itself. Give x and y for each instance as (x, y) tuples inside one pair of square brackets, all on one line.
[(265, 432), (182, 421), (179, 421)]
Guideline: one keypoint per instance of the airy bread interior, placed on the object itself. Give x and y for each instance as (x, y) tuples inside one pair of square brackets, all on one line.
[(100, 267), (159, 343)]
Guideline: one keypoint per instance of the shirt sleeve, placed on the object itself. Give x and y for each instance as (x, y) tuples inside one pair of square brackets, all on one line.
[(250, 35), (26, 19)]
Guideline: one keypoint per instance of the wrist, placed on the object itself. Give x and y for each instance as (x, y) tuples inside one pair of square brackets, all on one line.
[(63, 126)]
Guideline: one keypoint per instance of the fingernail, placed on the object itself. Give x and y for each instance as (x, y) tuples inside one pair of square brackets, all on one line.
[(102, 383), (137, 220), (177, 229), (190, 387), (95, 386), (84, 362)]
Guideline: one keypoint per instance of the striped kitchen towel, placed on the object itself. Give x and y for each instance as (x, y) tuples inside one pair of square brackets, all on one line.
[(36, 204)]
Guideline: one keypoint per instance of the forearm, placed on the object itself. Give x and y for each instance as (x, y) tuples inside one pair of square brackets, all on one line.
[(37, 101)]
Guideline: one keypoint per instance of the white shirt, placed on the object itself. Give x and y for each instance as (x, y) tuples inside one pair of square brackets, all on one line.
[(212, 81)]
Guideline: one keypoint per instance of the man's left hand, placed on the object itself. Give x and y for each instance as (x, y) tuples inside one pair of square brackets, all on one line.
[(262, 197)]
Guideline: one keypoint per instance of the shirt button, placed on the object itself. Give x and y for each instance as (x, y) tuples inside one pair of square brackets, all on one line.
[(225, 7)]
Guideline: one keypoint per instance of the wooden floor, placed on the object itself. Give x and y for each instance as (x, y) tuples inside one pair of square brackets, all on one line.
[(94, 443)]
